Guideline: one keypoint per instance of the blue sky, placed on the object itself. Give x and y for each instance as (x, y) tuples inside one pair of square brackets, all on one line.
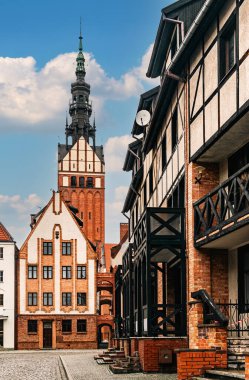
[(38, 41)]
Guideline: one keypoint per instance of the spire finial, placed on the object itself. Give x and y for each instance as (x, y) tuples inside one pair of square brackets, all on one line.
[(80, 38), (80, 69)]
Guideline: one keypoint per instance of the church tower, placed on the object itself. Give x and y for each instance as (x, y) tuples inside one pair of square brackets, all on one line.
[(81, 169)]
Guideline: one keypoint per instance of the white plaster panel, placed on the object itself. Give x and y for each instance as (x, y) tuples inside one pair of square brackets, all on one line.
[(57, 255), (91, 286), (168, 142), (227, 9), (196, 134), (66, 162), (169, 174), (195, 58), (210, 72), (97, 166), (244, 82), (65, 181), (181, 153), (243, 28), (98, 182), (22, 285), (81, 166), (199, 97), (228, 99), (164, 183), (57, 202), (210, 35), (211, 117), (175, 164)]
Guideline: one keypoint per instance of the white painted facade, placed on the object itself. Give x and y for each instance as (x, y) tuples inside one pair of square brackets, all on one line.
[(7, 289)]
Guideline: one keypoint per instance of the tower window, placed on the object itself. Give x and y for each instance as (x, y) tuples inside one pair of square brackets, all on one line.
[(73, 181), (82, 182), (90, 215), (89, 182)]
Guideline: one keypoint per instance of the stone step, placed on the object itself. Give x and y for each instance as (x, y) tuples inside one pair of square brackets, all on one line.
[(224, 375)]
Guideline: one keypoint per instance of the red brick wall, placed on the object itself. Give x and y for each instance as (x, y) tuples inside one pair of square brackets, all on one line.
[(149, 349), (246, 367), (194, 362), (61, 340), (123, 229)]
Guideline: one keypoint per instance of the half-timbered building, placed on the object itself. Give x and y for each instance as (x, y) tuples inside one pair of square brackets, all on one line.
[(184, 275)]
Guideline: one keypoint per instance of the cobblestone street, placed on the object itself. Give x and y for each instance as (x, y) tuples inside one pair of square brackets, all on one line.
[(61, 365)]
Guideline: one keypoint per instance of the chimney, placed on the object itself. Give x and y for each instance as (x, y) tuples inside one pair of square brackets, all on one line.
[(123, 230)]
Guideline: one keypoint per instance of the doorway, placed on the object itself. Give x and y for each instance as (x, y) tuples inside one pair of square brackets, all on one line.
[(47, 334)]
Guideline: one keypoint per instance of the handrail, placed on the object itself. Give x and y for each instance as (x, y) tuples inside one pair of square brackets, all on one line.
[(223, 184), (215, 314)]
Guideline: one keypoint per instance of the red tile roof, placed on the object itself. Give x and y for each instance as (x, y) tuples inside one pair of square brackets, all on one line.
[(4, 234)]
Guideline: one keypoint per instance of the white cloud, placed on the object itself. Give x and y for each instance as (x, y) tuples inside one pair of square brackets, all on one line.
[(115, 150), (31, 98)]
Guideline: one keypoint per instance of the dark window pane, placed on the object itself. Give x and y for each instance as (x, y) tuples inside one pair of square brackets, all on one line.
[(67, 325), (82, 182), (174, 130), (81, 299), (81, 325), (81, 271), (66, 248), (32, 326), (47, 248), (73, 181), (89, 182)]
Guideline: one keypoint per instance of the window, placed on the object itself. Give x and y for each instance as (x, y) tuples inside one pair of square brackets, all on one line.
[(47, 272), (73, 181), (163, 150), (90, 215), (67, 325), (174, 130), (32, 299), (81, 215), (32, 326), (81, 325), (66, 272), (81, 271), (1, 275), (227, 49), (81, 299), (47, 248), (32, 271), (48, 299), (66, 248), (82, 182), (66, 299), (1, 252), (1, 299), (89, 182), (151, 180)]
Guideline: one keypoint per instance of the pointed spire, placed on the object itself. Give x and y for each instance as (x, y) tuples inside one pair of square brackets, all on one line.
[(66, 120), (80, 69)]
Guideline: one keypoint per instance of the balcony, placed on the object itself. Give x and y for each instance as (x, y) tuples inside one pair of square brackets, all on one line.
[(222, 216)]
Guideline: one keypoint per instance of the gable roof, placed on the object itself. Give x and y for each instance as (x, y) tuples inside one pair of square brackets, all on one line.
[(4, 234)]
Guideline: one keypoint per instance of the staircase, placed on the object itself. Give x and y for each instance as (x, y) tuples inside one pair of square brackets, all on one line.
[(236, 349), (221, 375), (118, 362)]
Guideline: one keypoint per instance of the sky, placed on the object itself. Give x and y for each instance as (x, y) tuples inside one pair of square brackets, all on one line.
[(38, 46)]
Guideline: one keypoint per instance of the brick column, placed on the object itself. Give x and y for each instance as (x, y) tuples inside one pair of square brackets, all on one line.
[(246, 366)]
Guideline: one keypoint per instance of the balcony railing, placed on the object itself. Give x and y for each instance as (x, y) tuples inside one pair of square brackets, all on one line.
[(238, 317), (223, 209)]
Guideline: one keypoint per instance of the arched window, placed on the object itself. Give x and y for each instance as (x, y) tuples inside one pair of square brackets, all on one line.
[(81, 98), (73, 181), (89, 182), (82, 182)]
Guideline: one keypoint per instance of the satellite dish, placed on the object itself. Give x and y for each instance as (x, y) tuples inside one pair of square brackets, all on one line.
[(143, 118)]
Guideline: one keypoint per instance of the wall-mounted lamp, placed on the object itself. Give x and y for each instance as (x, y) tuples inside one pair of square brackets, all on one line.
[(198, 178), (57, 234)]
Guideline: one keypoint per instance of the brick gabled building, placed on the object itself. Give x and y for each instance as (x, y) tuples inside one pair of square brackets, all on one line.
[(57, 282), (186, 270), (64, 290)]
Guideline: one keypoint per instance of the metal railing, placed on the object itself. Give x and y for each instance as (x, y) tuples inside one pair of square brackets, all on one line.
[(238, 318)]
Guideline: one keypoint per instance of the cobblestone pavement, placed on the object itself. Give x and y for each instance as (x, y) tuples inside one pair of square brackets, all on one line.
[(47, 365)]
